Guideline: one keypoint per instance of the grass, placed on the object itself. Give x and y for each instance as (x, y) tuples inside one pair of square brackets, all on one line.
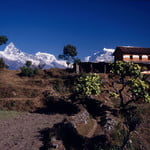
[(85, 128), (8, 114)]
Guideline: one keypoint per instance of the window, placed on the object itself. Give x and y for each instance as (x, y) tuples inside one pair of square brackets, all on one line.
[(131, 57), (140, 57)]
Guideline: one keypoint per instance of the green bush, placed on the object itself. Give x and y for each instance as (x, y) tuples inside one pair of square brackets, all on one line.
[(88, 85), (2, 64), (137, 88), (28, 71), (25, 71)]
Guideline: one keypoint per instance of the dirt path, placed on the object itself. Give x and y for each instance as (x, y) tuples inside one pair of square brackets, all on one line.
[(23, 131), (91, 132)]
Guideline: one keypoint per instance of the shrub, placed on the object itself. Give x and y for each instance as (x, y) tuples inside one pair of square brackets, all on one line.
[(88, 85), (136, 86), (28, 71), (139, 89), (25, 71), (2, 64)]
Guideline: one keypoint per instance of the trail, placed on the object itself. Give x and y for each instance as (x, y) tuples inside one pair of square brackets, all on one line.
[(23, 131)]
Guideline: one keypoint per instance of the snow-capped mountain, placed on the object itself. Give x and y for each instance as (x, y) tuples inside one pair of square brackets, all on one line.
[(15, 58), (101, 56)]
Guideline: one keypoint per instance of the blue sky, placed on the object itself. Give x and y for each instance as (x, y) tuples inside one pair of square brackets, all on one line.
[(90, 25)]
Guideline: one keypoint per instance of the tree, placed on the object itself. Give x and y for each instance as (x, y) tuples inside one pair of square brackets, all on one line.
[(129, 77), (28, 63), (28, 70), (87, 85), (69, 53), (2, 64), (77, 60), (3, 40)]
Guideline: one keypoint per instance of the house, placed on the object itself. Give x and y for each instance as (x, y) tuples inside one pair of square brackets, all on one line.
[(132, 54), (137, 55)]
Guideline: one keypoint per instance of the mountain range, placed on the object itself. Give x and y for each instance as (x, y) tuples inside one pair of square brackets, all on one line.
[(101, 56), (15, 58)]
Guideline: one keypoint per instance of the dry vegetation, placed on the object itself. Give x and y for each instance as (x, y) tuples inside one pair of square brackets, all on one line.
[(29, 94)]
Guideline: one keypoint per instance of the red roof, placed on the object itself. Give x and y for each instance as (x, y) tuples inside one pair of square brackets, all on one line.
[(133, 50)]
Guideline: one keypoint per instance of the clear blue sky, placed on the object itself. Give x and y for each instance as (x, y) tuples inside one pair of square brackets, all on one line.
[(90, 25)]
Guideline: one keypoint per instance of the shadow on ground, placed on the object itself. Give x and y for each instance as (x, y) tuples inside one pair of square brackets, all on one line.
[(98, 110), (60, 106), (70, 138), (45, 138)]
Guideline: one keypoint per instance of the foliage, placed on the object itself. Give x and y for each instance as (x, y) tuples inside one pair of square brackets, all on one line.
[(139, 88), (77, 60), (136, 86), (3, 40), (28, 63), (113, 94), (2, 64), (69, 53), (28, 70), (124, 69), (88, 85)]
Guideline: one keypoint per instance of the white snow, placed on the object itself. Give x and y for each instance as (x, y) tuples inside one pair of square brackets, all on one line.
[(101, 56), (15, 58)]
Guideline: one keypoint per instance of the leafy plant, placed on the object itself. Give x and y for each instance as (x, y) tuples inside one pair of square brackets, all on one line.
[(28, 63), (139, 88), (28, 70), (88, 85), (113, 94), (2, 64), (136, 86), (123, 69)]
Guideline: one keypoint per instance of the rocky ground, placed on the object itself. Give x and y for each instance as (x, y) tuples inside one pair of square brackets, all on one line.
[(25, 131)]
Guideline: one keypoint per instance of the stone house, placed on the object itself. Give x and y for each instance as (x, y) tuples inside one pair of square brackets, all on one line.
[(138, 55), (132, 54)]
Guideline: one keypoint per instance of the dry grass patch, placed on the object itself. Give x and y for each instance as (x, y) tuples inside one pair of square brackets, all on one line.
[(84, 129), (8, 114)]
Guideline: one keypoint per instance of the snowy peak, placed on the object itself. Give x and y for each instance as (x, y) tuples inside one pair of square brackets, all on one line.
[(11, 49), (15, 58), (101, 56), (47, 56)]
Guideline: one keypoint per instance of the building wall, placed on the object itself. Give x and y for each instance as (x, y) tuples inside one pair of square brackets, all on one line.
[(91, 67), (118, 56), (136, 58)]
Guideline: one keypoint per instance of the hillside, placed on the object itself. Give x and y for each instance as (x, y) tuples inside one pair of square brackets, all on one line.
[(17, 91), (51, 92)]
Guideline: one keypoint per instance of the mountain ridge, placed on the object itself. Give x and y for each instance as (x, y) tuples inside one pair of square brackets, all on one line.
[(15, 58), (101, 56)]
